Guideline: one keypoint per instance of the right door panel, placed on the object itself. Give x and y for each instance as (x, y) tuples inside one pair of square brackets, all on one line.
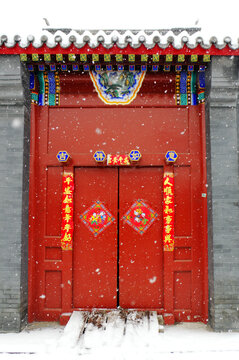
[(140, 254)]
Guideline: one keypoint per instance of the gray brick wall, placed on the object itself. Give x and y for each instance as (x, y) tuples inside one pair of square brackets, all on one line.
[(223, 201), (14, 153)]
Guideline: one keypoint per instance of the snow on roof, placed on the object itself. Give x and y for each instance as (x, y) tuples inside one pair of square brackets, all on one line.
[(174, 24), (177, 37)]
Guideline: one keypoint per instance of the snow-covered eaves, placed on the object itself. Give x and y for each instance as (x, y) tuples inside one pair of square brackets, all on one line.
[(177, 39)]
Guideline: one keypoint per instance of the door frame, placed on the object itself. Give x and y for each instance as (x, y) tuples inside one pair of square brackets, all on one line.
[(67, 255)]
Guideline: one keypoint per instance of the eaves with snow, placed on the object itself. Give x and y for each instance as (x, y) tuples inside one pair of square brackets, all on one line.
[(175, 41)]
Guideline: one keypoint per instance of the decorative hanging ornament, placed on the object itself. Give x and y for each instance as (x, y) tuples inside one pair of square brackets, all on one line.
[(67, 224), (171, 156), (168, 211), (99, 156), (117, 87), (63, 156), (135, 155)]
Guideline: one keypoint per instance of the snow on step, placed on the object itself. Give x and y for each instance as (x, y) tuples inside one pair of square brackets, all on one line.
[(137, 328), (115, 327), (155, 323), (94, 333), (73, 329)]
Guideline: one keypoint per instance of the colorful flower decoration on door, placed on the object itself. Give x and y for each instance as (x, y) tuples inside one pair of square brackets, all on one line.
[(97, 218), (140, 216)]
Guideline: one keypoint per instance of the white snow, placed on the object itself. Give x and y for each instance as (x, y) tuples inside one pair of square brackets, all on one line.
[(215, 18), (184, 341)]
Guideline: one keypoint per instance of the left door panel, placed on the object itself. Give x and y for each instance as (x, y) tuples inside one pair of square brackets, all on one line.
[(95, 256)]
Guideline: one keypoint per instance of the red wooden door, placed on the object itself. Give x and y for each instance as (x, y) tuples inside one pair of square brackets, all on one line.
[(95, 257), (140, 255), (174, 283), (119, 256)]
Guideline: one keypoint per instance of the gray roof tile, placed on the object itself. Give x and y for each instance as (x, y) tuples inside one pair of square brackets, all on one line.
[(162, 38)]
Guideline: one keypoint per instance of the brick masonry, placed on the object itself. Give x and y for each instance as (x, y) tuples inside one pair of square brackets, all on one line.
[(223, 202), (14, 153)]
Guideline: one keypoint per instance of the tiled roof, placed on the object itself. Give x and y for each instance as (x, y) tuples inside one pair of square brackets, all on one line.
[(178, 38)]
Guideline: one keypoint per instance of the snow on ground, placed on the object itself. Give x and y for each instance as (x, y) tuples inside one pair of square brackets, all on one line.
[(192, 341)]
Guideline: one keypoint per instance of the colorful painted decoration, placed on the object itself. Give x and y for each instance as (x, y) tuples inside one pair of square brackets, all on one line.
[(71, 57), (95, 57), (97, 67), (62, 156), (23, 57), (117, 88), (169, 57), (48, 90), (99, 156), (35, 57), (59, 57), (144, 57), (47, 57), (178, 68), (97, 218), (41, 67), (67, 224), (118, 160), (206, 58), (171, 156), (194, 58), (181, 58), (140, 216), (168, 211), (83, 57), (119, 57), (30, 67), (201, 86), (135, 155), (155, 57), (186, 88), (75, 67), (32, 81), (107, 57)]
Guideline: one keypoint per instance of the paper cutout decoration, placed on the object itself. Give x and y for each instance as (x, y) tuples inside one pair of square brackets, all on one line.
[(67, 224), (97, 218), (140, 216), (168, 211), (117, 87)]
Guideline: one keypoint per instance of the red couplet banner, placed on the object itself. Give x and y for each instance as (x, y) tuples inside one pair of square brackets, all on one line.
[(168, 211), (67, 211)]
